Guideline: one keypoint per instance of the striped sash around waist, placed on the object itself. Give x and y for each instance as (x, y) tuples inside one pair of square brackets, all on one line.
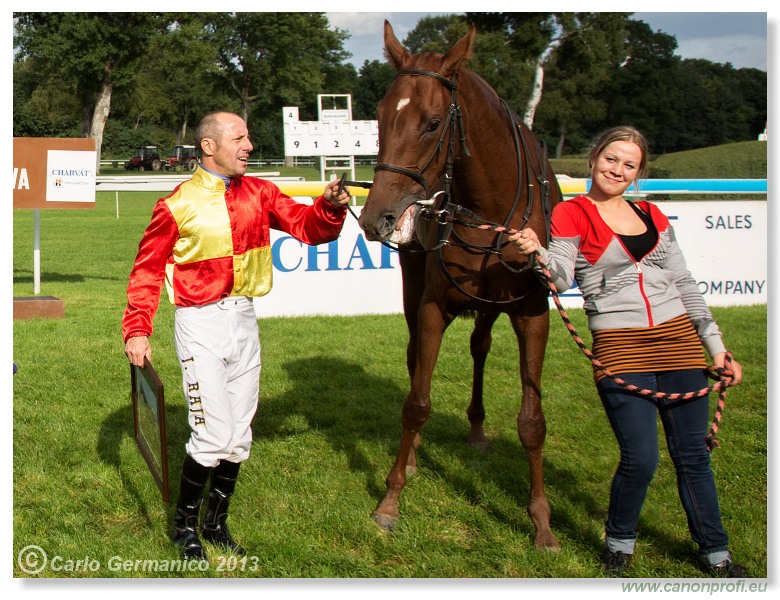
[(670, 346)]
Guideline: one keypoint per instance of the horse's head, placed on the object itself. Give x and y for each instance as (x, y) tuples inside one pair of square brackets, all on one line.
[(415, 125)]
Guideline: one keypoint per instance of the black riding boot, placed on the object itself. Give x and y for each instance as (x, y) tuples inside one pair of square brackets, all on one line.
[(185, 520), (223, 483)]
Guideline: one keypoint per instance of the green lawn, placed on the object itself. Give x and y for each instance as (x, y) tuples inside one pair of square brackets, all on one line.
[(326, 434)]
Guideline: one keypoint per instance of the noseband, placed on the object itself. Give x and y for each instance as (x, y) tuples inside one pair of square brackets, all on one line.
[(454, 121), (448, 213)]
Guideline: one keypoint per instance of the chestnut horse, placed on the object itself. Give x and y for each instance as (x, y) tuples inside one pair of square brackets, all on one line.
[(443, 129)]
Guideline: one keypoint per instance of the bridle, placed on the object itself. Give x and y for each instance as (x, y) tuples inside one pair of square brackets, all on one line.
[(446, 213), (454, 121)]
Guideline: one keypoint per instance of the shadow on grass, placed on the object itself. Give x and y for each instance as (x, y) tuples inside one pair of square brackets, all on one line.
[(337, 407), (363, 407), (358, 407), (26, 276), (118, 426)]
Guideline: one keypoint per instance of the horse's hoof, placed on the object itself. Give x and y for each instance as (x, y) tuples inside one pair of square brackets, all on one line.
[(482, 446), (546, 542), (385, 522)]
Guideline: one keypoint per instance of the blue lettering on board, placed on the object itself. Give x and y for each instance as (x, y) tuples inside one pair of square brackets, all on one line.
[(288, 255), (387, 253), (331, 250), (276, 253), (732, 287), (360, 251)]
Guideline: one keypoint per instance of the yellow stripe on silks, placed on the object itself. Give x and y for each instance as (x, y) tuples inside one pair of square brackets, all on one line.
[(253, 273), (169, 282), (204, 226)]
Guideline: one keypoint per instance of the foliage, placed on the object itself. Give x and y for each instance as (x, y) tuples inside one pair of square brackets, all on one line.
[(577, 71), (600, 69), (166, 92), (86, 55), (374, 81)]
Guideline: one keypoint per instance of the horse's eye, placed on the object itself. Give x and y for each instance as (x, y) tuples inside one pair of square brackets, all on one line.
[(433, 124)]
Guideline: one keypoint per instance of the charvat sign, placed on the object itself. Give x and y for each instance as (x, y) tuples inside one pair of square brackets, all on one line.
[(54, 172)]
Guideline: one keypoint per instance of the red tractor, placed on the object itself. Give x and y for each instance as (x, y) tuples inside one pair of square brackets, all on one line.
[(182, 158), (146, 157)]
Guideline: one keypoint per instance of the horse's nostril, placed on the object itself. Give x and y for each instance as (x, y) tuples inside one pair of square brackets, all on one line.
[(387, 224)]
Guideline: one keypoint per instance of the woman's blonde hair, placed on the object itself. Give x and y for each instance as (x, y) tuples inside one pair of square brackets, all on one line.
[(622, 133)]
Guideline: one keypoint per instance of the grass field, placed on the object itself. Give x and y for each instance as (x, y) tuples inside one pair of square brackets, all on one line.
[(325, 435)]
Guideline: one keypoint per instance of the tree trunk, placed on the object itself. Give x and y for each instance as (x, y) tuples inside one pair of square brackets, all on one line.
[(561, 140), (245, 100), (180, 137), (100, 116), (86, 118), (536, 93)]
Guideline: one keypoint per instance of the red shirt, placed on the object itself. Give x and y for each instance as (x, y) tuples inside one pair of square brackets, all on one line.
[(209, 243)]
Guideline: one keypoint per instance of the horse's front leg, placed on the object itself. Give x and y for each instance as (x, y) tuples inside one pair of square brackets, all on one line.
[(481, 340), (417, 408), (413, 276), (532, 331)]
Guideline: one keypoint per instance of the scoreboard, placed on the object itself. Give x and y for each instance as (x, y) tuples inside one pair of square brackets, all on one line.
[(333, 135)]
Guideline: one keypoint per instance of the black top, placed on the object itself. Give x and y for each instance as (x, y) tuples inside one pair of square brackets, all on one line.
[(639, 245)]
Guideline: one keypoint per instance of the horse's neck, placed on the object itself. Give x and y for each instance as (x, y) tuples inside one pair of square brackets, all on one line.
[(490, 141)]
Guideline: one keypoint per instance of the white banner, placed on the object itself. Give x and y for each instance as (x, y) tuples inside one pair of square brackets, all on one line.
[(350, 276), (725, 247), (724, 243)]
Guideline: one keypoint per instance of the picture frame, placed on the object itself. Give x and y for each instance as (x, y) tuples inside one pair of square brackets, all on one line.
[(150, 435)]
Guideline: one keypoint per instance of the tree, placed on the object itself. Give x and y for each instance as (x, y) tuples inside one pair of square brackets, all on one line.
[(589, 38), (580, 65), (88, 53), (179, 80), (372, 85), (645, 87), (513, 49), (273, 59), (430, 34)]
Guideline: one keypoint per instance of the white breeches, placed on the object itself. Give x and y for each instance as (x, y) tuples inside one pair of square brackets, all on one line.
[(219, 352)]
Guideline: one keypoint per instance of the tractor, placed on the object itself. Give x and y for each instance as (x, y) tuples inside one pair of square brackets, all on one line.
[(182, 158), (146, 157)]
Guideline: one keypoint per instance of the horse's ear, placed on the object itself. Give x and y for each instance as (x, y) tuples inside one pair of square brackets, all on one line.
[(459, 53), (394, 50)]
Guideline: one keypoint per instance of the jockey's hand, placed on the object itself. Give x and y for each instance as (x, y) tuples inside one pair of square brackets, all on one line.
[(330, 194), (138, 348)]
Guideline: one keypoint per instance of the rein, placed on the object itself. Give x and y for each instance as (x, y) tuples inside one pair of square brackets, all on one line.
[(722, 374), (448, 213)]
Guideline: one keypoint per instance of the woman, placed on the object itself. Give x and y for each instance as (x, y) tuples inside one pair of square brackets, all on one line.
[(649, 324)]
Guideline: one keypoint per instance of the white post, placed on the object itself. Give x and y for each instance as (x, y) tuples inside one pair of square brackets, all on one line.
[(117, 204), (37, 252)]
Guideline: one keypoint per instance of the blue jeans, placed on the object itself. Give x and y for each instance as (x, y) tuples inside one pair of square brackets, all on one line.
[(685, 423)]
